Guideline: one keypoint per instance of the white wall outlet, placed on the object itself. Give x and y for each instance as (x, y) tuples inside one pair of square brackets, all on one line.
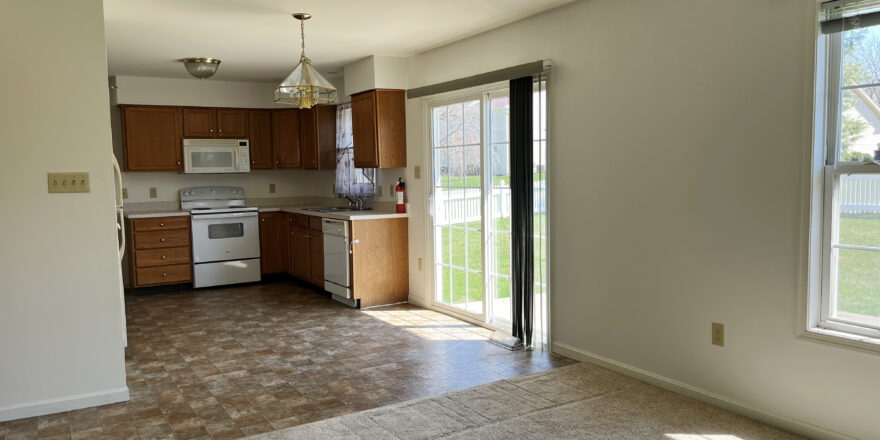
[(420, 264), (718, 334), (124, 193), (271, 188), (417, 172), (153, 192), (69, 182), (333, 189), (378, 190), (393, 188)]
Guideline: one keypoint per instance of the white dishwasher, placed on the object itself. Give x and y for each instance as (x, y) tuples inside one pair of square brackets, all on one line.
[(337, 267)]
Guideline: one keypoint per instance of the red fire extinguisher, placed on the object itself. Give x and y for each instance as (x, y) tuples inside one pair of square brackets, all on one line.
[(399, 190)]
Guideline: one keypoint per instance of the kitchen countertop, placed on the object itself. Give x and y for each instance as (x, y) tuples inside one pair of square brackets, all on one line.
[(346, 215), (157, 213)]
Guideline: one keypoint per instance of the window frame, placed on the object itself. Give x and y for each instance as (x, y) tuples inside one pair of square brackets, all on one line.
[(824, 216)]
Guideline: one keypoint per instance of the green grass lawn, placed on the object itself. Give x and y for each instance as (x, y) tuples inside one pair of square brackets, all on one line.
[(474, 181), (462, 282), (858, 277)]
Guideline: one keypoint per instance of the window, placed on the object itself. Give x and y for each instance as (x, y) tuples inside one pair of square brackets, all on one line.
[(350, 181), (846, 291)]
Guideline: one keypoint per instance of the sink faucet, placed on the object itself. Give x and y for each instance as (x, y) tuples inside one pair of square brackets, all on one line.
[(351, 202), (360, 203)]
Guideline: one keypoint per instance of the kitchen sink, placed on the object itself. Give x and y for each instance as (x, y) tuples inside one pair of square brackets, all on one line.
[(337, 209)]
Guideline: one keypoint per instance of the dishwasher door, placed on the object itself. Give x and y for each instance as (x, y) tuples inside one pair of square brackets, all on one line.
[(337, 271)]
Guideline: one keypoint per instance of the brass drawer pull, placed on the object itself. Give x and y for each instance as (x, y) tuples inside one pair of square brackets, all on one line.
[(161, 240)]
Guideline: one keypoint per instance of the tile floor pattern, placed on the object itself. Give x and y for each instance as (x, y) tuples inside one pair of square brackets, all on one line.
[(231, 362)]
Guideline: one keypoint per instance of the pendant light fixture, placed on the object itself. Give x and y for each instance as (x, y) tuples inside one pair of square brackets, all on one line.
[(304, 87), (201, 67)]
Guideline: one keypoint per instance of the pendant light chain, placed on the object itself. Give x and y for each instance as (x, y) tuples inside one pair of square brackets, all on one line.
[(302, 36)]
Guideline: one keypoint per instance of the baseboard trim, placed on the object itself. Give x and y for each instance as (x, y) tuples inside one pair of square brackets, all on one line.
[(68, 403), (787, 423), (416, 301)]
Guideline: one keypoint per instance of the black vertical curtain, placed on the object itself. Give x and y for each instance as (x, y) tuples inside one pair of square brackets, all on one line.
[(522, 216)]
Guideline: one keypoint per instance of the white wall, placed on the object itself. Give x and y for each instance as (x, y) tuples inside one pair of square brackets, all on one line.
[(692, 217), (195, 92), (60, 303)]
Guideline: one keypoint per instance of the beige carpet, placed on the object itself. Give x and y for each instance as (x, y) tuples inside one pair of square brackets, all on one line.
[(579, 401)]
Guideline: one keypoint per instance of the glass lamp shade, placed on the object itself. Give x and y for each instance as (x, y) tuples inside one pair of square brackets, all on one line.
[(201, 67), (305, 87)]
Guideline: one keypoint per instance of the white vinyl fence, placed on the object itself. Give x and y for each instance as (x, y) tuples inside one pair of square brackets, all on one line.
[(461, 205), (859, 194)]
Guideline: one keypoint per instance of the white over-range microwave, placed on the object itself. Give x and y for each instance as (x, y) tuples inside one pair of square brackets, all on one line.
[(216, 156)]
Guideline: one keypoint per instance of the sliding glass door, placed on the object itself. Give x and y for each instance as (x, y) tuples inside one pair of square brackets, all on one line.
[(471, 205)]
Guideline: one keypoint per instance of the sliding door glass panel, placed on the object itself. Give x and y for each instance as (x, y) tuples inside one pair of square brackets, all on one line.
[(457, 196), (498, 208)]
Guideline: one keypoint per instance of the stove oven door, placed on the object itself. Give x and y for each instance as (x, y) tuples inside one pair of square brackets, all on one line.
[(225, 237)]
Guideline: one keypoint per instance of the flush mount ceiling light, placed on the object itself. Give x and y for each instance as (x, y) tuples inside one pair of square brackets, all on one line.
[(304, 87), (201, 67)]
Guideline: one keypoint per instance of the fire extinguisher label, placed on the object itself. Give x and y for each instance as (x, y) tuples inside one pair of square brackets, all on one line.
[(399, 197)]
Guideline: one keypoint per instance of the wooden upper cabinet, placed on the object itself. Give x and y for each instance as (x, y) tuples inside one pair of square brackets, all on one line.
[(232, 123), (260, 131), (318, 137), (199, 122), (379, 128), (152, 136), (286, 138)]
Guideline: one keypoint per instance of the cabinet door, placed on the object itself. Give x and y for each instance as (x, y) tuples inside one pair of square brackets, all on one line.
[(232, 123), (326, 128), (391, 128), (316, 260), (299, 254), (285, 138), (273, 242), (308, 136), (260, 135), (198, 122), (152, 138), (363, 120)]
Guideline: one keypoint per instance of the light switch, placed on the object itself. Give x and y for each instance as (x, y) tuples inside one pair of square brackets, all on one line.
[(153, 192), (69, 183), (378, 190), (271, 188), (124, 193), (417, 172)]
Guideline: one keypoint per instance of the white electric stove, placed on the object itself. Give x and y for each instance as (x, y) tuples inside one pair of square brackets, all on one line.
[(225, 235)]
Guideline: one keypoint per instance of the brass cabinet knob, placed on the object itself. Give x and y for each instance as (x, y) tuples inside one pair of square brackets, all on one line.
[(277, 161), (161, 240), (178, 162), (253, 162), (163, 257), (211, 130), (220, 131), (161, 224), (164, 275)]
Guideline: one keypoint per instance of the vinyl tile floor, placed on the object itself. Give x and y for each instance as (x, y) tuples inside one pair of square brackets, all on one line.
[(232, 362)]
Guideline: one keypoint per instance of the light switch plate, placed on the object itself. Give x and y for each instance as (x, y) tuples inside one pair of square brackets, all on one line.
[(69, 183), (271, 188), (417, 172), (153, 192), (378, 190), (124, 193)]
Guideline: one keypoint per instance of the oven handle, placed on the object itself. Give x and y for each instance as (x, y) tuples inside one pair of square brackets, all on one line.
[(226, 215)]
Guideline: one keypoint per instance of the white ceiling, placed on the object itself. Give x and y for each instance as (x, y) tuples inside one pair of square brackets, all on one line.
[(258, 40)]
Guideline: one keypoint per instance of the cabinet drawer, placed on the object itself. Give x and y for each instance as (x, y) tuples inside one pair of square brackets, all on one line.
[(315, 223), (160, 223), (162, 257), (301, 221), (161, 239), (165, 274)]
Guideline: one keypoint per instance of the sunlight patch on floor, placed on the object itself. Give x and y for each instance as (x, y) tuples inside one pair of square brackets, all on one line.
[(431, 325)]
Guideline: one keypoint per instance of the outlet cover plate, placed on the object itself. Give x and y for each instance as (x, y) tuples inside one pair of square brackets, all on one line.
[(271, 188), (153, 192), (718, 334), (69, 182)]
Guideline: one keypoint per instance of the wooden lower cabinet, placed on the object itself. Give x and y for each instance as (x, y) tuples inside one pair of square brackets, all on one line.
[(300, 255), (316, 257), (273, 242), (161, 251), (306, 249), (380, 261)]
